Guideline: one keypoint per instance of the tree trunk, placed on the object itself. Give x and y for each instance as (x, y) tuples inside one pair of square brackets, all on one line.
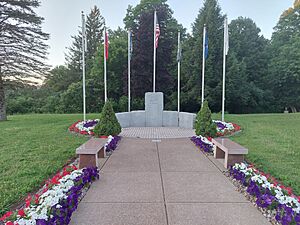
[(2, 100)]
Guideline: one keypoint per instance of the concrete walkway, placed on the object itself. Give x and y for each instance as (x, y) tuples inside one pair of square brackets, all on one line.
[(163, 183)]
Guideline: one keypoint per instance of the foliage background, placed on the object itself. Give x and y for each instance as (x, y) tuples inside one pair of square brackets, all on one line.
[(262, 75)]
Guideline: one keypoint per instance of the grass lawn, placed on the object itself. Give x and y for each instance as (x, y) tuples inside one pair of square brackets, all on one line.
[(32, 147), (273, 141)]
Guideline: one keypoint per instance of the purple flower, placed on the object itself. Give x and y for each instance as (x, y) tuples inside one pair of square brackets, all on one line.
[(113, 144), (265, 200), (221, 126), (202, 145), (297, 218), (253, 189), (90, 123)]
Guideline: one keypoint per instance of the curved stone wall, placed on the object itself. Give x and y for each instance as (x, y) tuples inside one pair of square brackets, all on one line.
[(170, 119)]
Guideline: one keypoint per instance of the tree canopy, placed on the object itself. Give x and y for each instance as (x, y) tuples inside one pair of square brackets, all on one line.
[(261, 75)]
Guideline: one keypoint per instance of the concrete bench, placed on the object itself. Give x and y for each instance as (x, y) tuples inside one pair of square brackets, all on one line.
[(90, 151), (228, 150)]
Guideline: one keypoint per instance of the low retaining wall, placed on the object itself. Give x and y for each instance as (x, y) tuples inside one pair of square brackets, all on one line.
[(170, 119)]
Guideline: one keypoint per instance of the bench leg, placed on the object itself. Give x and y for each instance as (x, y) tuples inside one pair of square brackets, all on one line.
[(219, 154), (230, 160), (102, 153), (87, 161)]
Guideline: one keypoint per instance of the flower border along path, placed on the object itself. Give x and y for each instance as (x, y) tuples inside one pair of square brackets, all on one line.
[(275, 201), (56, 201)]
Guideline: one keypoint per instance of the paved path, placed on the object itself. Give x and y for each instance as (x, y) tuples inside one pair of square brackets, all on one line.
[(163, 183), (157, 132)]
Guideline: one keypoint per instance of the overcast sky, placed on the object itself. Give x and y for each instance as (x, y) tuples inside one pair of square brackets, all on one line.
[(62, 17)]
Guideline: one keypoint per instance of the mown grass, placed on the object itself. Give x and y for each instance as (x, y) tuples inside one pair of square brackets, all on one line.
[(273, 141), (33, 147)]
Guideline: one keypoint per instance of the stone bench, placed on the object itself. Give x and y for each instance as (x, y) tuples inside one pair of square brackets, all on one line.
[(90, 151), (228, 150)]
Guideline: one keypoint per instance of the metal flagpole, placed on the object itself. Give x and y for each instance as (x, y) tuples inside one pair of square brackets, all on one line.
[(178, 61), (83, 63), (105, 46), (203, 65), (225, 51), (154, 51), (129, 59)]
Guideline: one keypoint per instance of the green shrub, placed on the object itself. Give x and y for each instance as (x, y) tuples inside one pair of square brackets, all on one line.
[(204, 124), (108, 124)]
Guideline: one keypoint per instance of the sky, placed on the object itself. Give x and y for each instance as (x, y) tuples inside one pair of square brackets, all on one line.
[(63, 17)]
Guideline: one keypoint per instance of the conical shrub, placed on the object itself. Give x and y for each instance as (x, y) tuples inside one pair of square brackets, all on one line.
[(108, 122), (204, 124)]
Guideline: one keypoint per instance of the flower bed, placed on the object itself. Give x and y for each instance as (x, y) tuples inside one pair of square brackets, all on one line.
[(84, 127), (56, 201), (203, 143), (268, 193), (223, 128), (112, 143)]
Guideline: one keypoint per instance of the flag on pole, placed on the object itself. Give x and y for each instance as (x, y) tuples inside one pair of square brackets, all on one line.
[(226, 36), (130, 44), (157, 31), (179, 50), (206, 44), (106, 44)]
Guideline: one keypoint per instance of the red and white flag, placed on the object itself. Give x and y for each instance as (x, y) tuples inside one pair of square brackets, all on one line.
[(106, 44), (157, 31)]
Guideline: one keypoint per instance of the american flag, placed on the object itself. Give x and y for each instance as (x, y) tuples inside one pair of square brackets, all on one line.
[(157, 31)]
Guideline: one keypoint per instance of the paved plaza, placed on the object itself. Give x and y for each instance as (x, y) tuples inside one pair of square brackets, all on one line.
[(170, 182), (157, 132)]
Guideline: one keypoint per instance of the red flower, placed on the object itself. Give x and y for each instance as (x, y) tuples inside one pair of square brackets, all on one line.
[(5, 216), (21, 213), (9, 223), (298, 198), (46, 189), (28, 201), (74, 167), (209, 138), (36, 199)]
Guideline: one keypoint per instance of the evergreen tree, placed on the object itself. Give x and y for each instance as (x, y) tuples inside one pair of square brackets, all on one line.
[(22, 45), (209, 14), (108, 122), (204, 124), (94, 31), (238, 94)]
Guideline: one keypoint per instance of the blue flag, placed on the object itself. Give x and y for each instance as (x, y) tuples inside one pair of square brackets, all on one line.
[(206, 45)]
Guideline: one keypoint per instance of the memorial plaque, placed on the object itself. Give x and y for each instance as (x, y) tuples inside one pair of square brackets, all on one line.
[(154, 107)]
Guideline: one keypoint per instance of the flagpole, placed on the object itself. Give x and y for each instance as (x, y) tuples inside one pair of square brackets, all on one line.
[(203, 65), (105, 86), (178, 60), (154, 51), (83, 63), (129, 58), (224, 66)]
